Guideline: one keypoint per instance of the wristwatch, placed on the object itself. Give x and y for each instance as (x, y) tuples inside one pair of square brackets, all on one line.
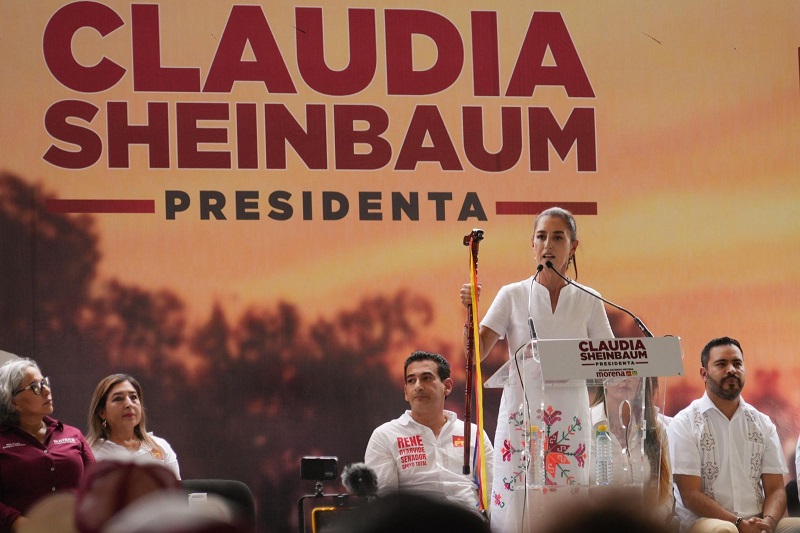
[(738, 521)]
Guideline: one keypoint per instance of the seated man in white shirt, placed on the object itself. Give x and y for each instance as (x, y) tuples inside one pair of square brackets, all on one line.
[(727, 460), (423, 450)]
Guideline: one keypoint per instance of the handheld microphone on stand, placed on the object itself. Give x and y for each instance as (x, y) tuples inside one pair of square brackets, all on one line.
[(531, 328), (638, 322), (539, 268)]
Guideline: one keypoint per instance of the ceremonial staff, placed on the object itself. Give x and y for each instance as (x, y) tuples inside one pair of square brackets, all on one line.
[(472, 240)]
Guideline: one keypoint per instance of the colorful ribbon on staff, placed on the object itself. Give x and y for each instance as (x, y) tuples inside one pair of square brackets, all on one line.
[(479, 450)]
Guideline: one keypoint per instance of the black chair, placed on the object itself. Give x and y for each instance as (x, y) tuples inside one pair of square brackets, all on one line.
[(234, 492), (792, 503)]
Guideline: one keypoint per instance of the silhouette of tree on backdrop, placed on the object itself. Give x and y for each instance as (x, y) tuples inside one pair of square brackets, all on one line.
[(276, 389), (47, 265), (53, 309), (241, 399), (47, 262), (139, 329)]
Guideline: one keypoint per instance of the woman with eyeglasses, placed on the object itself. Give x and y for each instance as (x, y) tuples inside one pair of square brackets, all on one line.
[(38, 454), (117, 425)]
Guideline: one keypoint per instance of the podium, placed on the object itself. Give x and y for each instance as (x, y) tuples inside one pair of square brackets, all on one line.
[(555, 394)]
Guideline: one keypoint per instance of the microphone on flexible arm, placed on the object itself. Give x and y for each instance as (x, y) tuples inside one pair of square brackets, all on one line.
[(360, 479), (532, 329), (638, 322)]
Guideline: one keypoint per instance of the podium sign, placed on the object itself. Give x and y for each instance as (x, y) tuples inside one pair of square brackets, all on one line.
[(547, 421), (641, 357)]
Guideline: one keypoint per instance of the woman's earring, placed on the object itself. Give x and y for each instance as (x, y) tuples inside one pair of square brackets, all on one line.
[(105, 424)]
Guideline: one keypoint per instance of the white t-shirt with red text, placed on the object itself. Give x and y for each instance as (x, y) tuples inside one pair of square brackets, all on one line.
[(407, 456)]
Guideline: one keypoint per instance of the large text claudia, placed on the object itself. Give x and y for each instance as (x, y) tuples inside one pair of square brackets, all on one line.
[(339, 133)]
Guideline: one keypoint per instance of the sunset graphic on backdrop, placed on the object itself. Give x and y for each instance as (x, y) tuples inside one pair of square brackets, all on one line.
[(697, 125)]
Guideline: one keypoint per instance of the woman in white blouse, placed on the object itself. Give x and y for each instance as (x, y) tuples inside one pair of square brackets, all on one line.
[(637, 463), (117, 425)]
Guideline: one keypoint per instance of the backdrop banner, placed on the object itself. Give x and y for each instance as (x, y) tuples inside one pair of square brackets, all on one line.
[(257, 208)]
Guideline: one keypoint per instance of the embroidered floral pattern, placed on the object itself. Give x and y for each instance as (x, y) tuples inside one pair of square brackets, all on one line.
[(550, 416), (558, 455), (580, 455), (498, 500), (506, 450), (560, 452), (516, 420)]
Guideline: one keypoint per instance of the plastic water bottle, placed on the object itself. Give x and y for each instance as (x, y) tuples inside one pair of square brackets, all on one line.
[(536, 465), (604, 452)]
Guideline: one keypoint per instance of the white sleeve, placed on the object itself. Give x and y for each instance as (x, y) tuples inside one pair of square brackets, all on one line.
[(773, 462), (599, 327), (684, 454), (380, 458), (170, 457), (498, 316)]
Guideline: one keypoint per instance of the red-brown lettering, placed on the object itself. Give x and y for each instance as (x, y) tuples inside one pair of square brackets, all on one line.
[(90, 144), (510, 136), (248, 24), (485, 54), (148, 74), (347, 138), (246, 136), (427, 121), (579, 131), (190, 136), (154, 134), (57, 47), (310, 144), (401, 77), (547, 30), (358, 74)]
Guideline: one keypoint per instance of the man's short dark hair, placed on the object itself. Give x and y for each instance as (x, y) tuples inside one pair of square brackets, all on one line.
[(713, 343), (441, 363)]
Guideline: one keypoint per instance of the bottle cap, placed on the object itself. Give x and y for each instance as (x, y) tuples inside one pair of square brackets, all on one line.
[(534, 429), (602, 427)]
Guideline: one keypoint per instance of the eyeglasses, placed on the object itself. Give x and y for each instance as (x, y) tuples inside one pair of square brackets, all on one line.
[(35, 387)]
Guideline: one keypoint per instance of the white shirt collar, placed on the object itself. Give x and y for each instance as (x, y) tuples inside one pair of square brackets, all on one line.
[(706, 404)]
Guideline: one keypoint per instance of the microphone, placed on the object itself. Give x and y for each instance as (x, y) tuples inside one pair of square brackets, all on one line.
[(638, 322), (360, 479), (532, 329)]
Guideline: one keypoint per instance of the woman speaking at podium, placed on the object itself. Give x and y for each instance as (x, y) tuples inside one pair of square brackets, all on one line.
[(558, 311)]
